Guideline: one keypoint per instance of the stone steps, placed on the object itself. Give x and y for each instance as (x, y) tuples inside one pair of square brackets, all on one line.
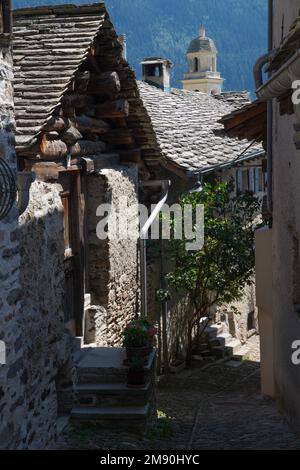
[(106, 367), (109, 395), (242, 354), (230, 349), (101, 394), (134, 418), (214, 330), (219, 344), (221, 340)]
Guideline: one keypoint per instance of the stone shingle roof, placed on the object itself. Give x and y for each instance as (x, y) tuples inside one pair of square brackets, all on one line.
[(236, 99), (50, 43), (187, 128)]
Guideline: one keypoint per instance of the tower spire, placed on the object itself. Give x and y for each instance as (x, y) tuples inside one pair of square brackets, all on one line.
[(202, 31)]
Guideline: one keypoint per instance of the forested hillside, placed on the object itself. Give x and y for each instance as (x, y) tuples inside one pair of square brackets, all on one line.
[(165, 27)]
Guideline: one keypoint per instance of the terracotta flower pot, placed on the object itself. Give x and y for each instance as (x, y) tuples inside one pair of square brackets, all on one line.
[(136, 378), (137, 352)]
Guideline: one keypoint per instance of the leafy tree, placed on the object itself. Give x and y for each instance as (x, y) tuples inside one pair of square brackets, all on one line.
[(217, 273)]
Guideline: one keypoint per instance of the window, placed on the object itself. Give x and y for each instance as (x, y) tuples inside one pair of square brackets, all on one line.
[(258, 180), (5, 16), (196, 64), (251, 180), (245, 180), (239, 181)]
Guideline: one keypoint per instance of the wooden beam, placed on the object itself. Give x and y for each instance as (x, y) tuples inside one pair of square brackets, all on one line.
[(91, 125), (84, 148), (71, 135), (57, 123), (130, 155), (106, 83), (119, 137), (244, 116), (52, 149), (77, 100), (112, 109)]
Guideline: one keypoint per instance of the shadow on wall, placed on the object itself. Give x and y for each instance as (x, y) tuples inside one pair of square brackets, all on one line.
[(46, 344)]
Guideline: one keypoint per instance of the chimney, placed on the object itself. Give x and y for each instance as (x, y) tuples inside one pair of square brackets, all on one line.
[(5, 17), (157, 72)]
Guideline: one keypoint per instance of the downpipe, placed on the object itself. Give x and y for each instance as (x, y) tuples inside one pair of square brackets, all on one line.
[(258, 77), (165, 184)]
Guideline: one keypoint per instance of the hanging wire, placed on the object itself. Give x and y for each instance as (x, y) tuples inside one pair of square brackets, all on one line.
[(8, 189)]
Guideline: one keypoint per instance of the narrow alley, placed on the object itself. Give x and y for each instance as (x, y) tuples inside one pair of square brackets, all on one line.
[(212, 406)]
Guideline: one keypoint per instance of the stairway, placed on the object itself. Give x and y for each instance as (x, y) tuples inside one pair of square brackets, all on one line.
[(101, 394), (220, 344)]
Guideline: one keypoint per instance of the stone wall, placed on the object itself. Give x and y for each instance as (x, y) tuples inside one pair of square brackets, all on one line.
[(285, 239), (12, 407), (32, 320), (46, 347), (240, 317), (113, 264)]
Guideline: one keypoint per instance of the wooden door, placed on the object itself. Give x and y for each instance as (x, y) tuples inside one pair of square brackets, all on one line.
[(74, 261)]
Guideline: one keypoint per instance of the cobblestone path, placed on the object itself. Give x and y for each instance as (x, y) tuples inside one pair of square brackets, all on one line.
[(215, 407)]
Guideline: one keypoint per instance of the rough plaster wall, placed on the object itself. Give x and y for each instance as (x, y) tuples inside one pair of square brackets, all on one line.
[(113, 264), (46, 349), (12, 406), (176, 312), (241, 316), (286, 228)]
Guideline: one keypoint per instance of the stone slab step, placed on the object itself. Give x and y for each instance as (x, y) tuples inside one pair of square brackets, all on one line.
[(229, 350), (114, 388), (214, 330), (120, 414), (242, 354), (233, 346), (106, 365), (111, 395), (221, 340)]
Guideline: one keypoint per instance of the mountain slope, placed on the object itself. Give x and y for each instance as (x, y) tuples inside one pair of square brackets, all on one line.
[(165, 28)]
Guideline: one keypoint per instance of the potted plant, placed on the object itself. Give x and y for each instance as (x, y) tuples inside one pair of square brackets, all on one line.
[(138, 338), (136, 341), (136, 373)]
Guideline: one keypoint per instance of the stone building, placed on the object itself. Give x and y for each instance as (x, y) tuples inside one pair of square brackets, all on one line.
[(79, 132), (12, 379), (193, 146), (277, 244), (202, 74)]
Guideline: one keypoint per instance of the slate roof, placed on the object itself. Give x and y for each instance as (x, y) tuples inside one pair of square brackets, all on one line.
[(187, 128), (49, 43)]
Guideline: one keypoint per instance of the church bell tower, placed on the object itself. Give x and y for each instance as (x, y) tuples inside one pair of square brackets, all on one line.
[(202, 72)]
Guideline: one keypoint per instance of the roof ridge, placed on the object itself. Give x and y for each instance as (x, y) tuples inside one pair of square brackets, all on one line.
[(69, 9)]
